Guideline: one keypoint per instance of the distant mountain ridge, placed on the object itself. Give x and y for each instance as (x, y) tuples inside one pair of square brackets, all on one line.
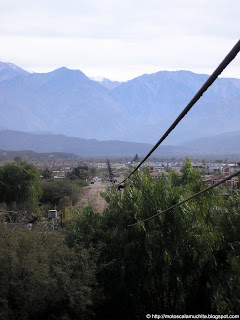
[(68, 102), (222, 143), (18, 141), (106, 82), (9, 71)]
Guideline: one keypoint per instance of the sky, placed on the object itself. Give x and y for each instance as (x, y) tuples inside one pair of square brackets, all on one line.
[(120, 39)]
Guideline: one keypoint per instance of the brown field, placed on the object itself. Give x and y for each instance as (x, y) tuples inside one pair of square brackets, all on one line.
[(92, 194)]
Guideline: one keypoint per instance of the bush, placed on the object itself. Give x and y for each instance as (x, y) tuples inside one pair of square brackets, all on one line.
[(183, 261), (55, 189), (41, 278), (20, 186)]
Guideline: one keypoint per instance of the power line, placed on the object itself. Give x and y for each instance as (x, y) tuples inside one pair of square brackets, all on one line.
[(188, 199), (231, 55)]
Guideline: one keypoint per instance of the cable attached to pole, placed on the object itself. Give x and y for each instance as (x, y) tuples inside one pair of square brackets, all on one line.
[(232, 54), (188, 199)]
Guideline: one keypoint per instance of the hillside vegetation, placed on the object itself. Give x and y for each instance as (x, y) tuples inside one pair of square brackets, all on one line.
[(183, 261)]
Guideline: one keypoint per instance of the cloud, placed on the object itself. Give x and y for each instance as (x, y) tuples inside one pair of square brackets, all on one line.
[(119, 37), (119, 19)]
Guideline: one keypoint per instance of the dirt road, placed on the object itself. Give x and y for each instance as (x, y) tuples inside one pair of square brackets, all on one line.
[(92, 194)]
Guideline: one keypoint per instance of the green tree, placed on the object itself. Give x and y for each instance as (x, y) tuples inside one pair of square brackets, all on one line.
[(226, 281), (174, 250), (136, 158), (182, 261), (42, 278), (47, 173), (63, 204), (92, 173), (80, 172), (20, 185), (18, 159), (55, 189)]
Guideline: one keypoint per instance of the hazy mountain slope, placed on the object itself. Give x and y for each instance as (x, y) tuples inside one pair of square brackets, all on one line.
[(106, 82), (16, 140), (151, 96), (9, 71), (157, 99), (64, 101), (222, 143), (68, 102)]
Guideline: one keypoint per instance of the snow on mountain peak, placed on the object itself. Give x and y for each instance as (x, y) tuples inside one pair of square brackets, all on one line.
[(98, 79), (7, 65)]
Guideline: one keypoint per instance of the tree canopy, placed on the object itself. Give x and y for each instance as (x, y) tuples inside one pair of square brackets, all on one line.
[(20, 185), (183, 261), (42, 278)]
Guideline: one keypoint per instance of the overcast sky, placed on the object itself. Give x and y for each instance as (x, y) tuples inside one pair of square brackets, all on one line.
[(120, 39)]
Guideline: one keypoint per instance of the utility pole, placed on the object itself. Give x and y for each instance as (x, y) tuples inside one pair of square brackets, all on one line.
[(110, 174)]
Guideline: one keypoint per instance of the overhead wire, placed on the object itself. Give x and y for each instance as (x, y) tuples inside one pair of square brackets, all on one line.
[(231, 55), (188, 199)]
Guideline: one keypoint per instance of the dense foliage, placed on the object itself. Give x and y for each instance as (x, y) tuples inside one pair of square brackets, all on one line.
[(53, 190), (20, 186), (182, 261), (42, 278), (80, 172)]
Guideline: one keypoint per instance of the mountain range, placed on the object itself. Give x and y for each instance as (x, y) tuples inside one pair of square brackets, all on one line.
[(67, 102), (9, 71), (223, 144), (18, 141)]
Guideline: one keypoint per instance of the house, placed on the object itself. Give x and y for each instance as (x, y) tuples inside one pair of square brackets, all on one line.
[(157, 174), (231, 183), (225, 170)]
